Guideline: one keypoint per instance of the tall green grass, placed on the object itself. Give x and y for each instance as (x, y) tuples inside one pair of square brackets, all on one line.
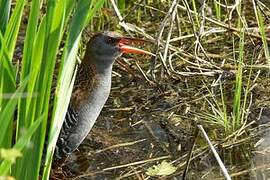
[(24, 106)]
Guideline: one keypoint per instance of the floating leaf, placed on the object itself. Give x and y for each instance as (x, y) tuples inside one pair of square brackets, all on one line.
[(10, 154), (162, 169), (7, 178)]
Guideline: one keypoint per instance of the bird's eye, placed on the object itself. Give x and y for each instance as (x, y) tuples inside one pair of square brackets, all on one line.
[(110, 40)]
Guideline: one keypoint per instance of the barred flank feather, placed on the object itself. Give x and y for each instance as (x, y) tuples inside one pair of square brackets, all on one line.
[(71, 120)]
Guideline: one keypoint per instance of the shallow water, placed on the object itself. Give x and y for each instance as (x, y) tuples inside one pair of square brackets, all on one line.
[(140, 127)]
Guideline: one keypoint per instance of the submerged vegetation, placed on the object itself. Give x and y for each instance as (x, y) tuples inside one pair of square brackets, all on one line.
[(211, 68)]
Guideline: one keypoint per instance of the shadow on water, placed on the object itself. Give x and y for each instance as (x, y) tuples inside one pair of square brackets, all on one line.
[(261, 158)]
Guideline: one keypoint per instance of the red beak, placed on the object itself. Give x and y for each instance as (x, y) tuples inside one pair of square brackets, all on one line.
[(123, 44)]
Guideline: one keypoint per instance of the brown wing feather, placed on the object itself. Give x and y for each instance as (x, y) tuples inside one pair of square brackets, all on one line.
[(85, 81)]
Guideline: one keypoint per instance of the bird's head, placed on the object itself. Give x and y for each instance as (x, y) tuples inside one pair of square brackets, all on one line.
[(103, 48)]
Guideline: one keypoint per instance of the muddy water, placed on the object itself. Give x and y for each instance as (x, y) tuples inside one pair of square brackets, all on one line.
[(142, 125)]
